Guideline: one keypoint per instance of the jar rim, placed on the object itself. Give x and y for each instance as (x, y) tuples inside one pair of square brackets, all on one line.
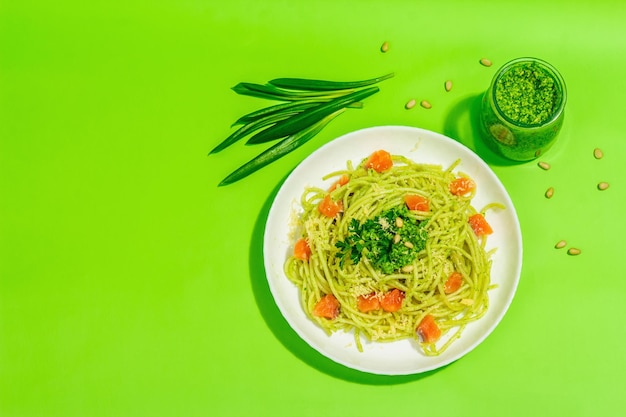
[(551, 71)]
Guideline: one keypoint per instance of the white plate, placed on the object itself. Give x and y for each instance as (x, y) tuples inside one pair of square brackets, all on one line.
[(422, 146)]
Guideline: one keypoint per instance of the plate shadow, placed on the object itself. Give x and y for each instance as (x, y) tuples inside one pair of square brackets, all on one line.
[(463, 125)]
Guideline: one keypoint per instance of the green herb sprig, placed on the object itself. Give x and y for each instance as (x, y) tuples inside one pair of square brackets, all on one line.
[(308, 106), (389, 247)]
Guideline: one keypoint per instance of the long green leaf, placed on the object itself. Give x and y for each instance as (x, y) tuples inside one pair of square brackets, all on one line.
[(250, 128), (308, 117), (323, 85), (280, 149), (282, 107), (289, 106), (274, 93)]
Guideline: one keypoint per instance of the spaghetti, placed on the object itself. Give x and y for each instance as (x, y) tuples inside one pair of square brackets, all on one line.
[(340, 265)]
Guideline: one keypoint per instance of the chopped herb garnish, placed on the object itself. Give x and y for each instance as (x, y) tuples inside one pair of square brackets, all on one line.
[(388, 243)]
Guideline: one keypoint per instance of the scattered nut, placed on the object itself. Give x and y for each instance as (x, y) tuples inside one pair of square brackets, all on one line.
[(410, 104), (544, 165), (425, 104), (384, 47), (486, 62), (560, 244), (573, 251), (408, 268), (448, 85), (396, 238), (399, 222), (408, 245), (549, 192), (603, 186), (597, 153)]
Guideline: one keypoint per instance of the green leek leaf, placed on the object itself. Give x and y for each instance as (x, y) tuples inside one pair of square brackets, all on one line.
[(291, 106), (274, 93), (308, 117), (323, 85), (280, 149), (251, 127)]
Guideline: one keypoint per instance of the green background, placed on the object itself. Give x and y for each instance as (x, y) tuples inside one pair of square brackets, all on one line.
[(131, 285)]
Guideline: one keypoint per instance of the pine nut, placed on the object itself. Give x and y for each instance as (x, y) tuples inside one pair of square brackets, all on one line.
[(399, 222), (408, 268), (560, 244), (486, 62), (573, 251), (549, 192), (384, 47), (597, 153), (426, 104), (603, 186), (396, 238), (410, 104), (544, 165), (448, 85), (408, 245)]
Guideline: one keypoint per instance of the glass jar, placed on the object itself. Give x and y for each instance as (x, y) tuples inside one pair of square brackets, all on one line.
[(522, 111)]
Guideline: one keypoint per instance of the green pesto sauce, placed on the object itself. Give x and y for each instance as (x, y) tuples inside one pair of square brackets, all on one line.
[(526, 94)]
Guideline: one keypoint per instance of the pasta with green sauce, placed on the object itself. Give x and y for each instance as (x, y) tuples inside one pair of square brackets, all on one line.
[(393, 250)]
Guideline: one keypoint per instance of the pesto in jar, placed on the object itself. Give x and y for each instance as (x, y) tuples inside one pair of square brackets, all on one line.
[(522, 111), (526, 94)]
